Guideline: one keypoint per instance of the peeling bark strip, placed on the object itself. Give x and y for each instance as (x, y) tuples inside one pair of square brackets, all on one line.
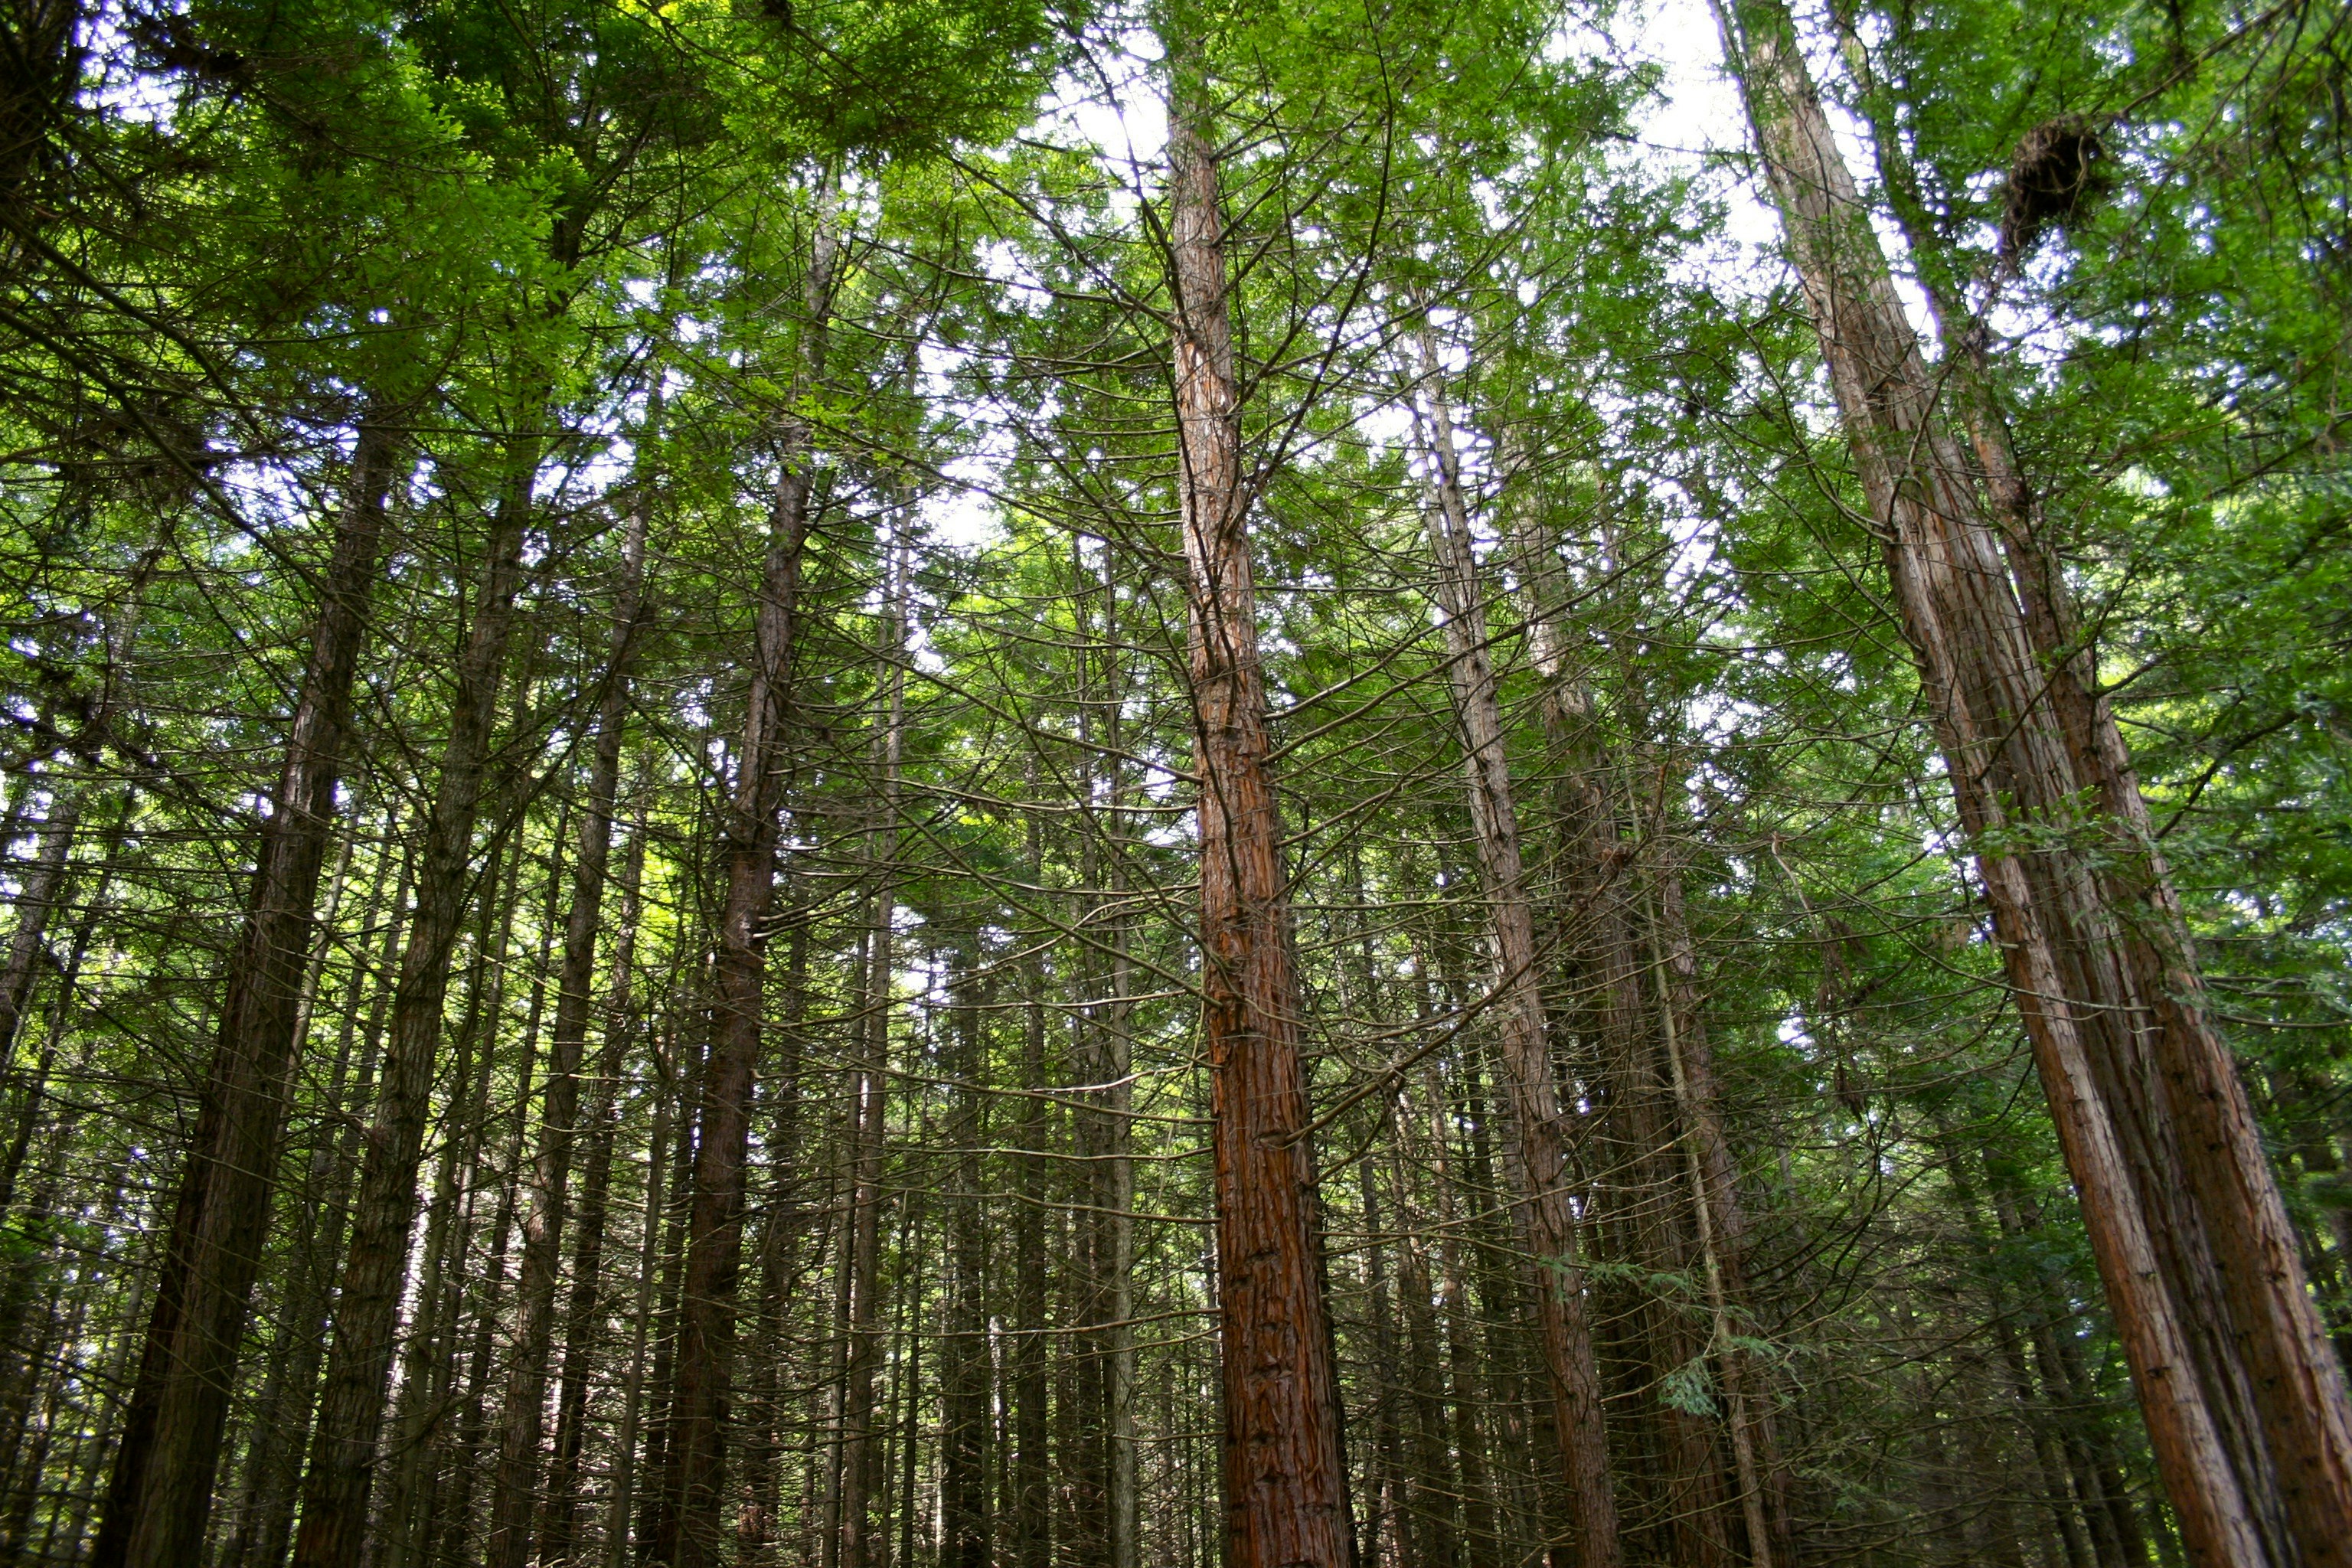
[(1286, 1486), (160, 1497), (1571, 1368), (2243, 1399), (689, 1531)]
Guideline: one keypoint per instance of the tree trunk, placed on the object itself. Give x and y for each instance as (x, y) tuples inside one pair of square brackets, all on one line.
[(633, 1382), (965, 1529), (513, 1499), (160, 1499), (690, 1532), (35, 904), (559, 1523), (2244, 1404), (1025, 1360), (1285, 1476), (1525, 1034), (1722, 1226), (860, 1446), (351, 1410)]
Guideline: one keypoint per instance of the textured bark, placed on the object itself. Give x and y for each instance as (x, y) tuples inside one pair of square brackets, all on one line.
[(1285, 1478), (2244, 1403), (514, 1500), (1520, 1024), (351, 1410), (690, 1532), (160, 1497)]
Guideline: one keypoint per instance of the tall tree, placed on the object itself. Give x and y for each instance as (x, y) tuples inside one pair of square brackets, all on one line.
[(2199, 1262), (160, 1499), (1285, 1478)]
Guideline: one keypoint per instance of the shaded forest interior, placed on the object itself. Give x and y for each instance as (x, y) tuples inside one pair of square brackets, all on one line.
[(957, 784)]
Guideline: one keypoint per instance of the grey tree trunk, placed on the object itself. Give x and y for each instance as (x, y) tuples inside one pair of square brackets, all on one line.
[(1572, 1369)]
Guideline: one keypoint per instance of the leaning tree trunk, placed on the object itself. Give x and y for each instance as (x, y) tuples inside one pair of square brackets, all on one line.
[(2244, 1403), (35, 904), (1573, 1370), (160, 1497), (688, 1532), (513, 1498), (1284, 1477), (375, 1268)]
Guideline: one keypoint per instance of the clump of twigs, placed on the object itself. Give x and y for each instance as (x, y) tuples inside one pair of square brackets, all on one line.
[(2059, 167)]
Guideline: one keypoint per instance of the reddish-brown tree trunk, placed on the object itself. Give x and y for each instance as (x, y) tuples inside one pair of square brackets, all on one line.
[(367, 1306), (2244, 1403), (160, 1496), (1286, 1485), (558, 1515), (513, 1499), (688, 1532)]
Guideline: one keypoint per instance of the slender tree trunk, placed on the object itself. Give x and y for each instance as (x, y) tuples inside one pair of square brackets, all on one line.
[(1110, 1129), (282, 1428), (512, 1499), (1482, 1536), (1384, 1516), (689, 1531), (1722, 1228), (401, 1513), (1030, 1478), (160, 1499), (1428, 1534), (1525, 1034), (2243, 1400), (453, 1509), (351, 1410), (1285, 1474), (560, 1521), (861, 1446), (43, 882), (965, 1529), (633, 1383)]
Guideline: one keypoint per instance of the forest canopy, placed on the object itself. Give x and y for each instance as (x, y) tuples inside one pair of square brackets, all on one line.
[(960, 783)]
